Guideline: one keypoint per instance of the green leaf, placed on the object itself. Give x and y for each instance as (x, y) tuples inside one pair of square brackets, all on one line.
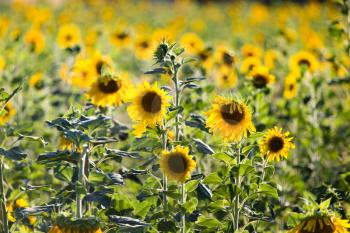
[(188, 59), (325, 204), (268, 190), (208, 222), (190, 205), (141, 208), (224, 157), (191, 185), (212, 178), (14, 153)]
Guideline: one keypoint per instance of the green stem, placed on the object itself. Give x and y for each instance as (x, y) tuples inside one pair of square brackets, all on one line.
[(177, 102), (81, 180), (183, 217), (237, 183), (165, 179), (3, 200)]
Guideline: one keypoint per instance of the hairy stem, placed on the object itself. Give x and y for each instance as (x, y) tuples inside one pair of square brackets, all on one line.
[(237, 183), (81, 181), (183, 200), (165, 179)]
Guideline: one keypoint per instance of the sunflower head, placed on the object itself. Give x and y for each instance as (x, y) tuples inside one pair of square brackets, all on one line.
[(121, 37), (149, 104), (321, 224), (291, 86), (249, 50), (275, 144), (226, 78), (109, 90), (10, 111), (68, 36), (143, 47), (192, 43), (248, 64), (303, 60), (67, 225), (224, 56), (177, 164), (261, 77), (231, 119)]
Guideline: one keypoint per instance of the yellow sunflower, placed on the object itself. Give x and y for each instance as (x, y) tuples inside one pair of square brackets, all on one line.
[(270, 58), (143, 47), (303, 59), (230, 119), (291, 86), (249, 50), (68, 36), (109, 90), (226, 78), (10, 112), (261, 77), (148, 106), (35, 79), (322, 224), (248, 64), (100, 61), (120, 37), (275, 144), (192, 43), (224, 56), (206, 58), (66, 225), (83, 73), (35, 39), (19, 203), (177, 164)]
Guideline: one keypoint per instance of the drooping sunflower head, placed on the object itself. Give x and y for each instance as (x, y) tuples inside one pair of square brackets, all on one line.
[(7, 116), (149, 104), (109, 90), (261, 77), (226, 78), (68, 36), (192, 43), (322, 224), (230, 119), (275, 144), (248, 64), (303, 60), (177, 164)]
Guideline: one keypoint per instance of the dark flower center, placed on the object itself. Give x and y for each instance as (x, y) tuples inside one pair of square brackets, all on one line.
[(232, 113), (276, 144), (69, 37), (144, 44), (111, 87), (99, 66), (177, 163), (121, 36), (325, 228), (151, 102), (228, 59), (291, 87), (304, 62), (203, 56), (225, 77), (7, 111), (259, 81)]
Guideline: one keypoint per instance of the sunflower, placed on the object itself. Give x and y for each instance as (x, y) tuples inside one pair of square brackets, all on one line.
[(66, 225), (270, 58), (230, 119), (249, 50), (143, 47), (226, 78), (19, 204), (177, 164), (291, 86), (303, 60), (275, 144), (148, 106), (83, 74), (35, 39), (35, 79), (322, 224), (120, 37), (192, 43), (206, 58), (68, 36), (224, 56), (261, 77), (99, 61), (109, 90), (248, 64), (10, 112)]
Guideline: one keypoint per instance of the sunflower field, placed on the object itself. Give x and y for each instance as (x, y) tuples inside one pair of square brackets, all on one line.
[(174, 116)]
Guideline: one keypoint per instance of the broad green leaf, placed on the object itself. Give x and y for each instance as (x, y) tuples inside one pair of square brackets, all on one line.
[(212, 178), (191, 185)]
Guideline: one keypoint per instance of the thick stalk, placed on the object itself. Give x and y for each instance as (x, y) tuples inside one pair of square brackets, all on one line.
[(183, 200), (237, 183), (81, 181), (177, 103), (165, 179), (3, 200), (348, 24)]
